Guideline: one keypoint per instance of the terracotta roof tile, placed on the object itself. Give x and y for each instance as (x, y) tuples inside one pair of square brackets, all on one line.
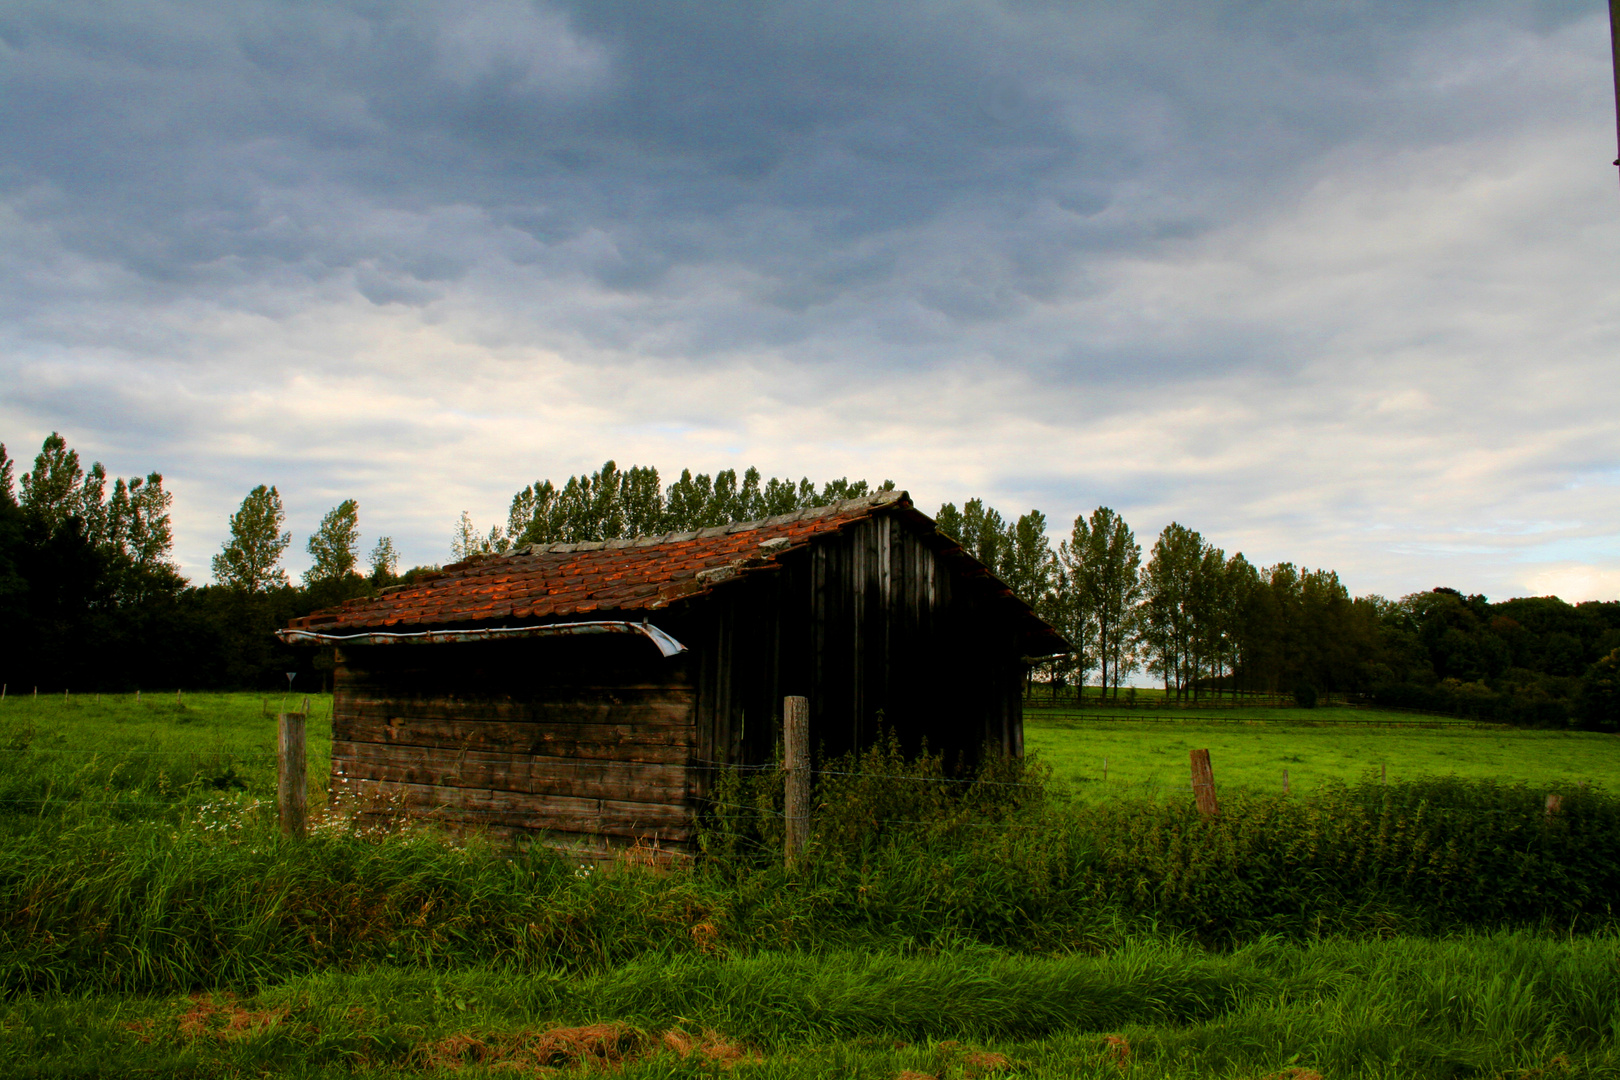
[(554, 581)]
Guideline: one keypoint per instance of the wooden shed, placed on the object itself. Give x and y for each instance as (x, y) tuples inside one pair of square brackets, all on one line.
[(585, 694)]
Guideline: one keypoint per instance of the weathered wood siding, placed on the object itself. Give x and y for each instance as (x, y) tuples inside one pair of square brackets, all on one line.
[(582, 742), (876, 630)]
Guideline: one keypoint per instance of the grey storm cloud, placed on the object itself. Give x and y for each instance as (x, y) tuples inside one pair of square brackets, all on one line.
[(1295, 252), (818, 148)]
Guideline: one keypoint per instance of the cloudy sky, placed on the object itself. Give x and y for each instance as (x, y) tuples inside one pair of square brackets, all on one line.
[(1332, 282)]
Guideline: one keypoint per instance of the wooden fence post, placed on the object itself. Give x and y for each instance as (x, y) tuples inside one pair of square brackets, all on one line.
[(292, 782), (1203, 784), (796, 775), (1555, 805)]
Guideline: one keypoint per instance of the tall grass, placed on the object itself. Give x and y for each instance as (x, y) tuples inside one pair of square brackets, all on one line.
[(901, 860)]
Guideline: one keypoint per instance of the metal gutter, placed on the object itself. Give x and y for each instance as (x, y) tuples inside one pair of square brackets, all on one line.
[(667, 645)]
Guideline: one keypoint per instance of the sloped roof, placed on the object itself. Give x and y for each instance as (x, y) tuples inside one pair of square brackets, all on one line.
[(546, 582)]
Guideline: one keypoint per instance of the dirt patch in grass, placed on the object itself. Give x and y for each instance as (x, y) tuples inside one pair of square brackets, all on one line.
[(953, 1061), (224, 1018), (711, 1046), (980, 1062), (604, 1047), (601, 1046)]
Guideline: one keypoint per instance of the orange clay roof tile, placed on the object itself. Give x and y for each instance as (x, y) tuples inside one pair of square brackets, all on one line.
[(546, 582)]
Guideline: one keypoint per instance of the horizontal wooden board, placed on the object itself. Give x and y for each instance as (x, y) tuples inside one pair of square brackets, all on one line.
[(509, 809), (646, 714), (615, 742), (535, 775), (388, 684)]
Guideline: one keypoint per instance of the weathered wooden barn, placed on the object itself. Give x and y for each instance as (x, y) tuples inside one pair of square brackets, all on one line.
[(584, 693)]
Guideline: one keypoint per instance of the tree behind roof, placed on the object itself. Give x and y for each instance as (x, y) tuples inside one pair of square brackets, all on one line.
[(250, 561)]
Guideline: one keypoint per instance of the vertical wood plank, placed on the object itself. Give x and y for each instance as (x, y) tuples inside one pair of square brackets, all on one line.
[(854, 585), (1555, 805), (885, 649), (1203, 784), (292, 777), (796, 776)]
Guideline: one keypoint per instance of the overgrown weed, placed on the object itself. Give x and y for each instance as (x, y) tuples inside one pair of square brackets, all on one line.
[(905, 859)]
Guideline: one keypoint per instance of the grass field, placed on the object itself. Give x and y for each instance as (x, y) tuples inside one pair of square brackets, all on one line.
[(1509, 1005), (152, 922), (150, 751), (215, 742), (1146, 758)]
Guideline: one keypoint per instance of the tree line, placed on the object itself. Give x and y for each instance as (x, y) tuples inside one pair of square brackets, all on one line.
[(90, 597), (1201, 622), (614, 504), (1208, 624)]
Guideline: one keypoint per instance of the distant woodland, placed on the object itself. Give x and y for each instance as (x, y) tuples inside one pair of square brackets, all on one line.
[(90, 599)]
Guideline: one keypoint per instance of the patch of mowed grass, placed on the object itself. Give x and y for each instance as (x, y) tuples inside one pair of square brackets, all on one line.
[(1508, 1004), (1146, 758), (119, 757)]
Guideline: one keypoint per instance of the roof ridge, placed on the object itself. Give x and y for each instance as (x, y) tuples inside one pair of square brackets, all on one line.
[(842, 506)]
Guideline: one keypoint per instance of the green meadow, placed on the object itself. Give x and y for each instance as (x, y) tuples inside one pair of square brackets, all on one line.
[(126, 755), (1151, 758), (1430, 922)]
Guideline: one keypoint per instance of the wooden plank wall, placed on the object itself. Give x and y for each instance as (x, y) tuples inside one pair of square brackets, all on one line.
[(583, 743), (869, 620)]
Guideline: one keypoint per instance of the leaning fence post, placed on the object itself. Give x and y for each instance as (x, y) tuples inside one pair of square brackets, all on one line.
[(292, 783), (796, 775), (1203, 784)]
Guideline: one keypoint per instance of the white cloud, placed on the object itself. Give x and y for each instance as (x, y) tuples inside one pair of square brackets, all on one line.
[(1574, 582)]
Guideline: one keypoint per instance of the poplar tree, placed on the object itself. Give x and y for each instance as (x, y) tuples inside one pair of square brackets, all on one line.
[(1169, 583), (52, 492), (611, 504), (130, 529), (384, 561), (335, 545), (250, 561), (1027, 563), (469, 542), (984, 534), (138, 526), (1108, 561)]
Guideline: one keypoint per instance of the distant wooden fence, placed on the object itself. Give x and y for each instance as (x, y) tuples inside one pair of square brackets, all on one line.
[(1155, 700)]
